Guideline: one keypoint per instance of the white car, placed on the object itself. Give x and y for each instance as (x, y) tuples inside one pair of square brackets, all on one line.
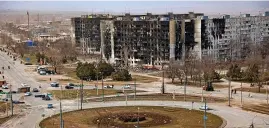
[(109, 86), (28, 94), (24, 85), (203, 107), (5, 87), (127, 87)]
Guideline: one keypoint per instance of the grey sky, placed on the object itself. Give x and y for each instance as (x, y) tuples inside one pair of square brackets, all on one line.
[(208, 7)]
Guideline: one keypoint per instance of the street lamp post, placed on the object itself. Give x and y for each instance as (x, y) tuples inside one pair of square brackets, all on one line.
[(61, 114), (103, 88), (11, 100), (267, 93), (205, 117), (163, 91), (135, 88), (229, 92), (81, 94), (241, 95)]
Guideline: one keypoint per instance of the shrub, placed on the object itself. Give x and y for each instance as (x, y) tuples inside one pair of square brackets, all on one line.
[(122, 75)]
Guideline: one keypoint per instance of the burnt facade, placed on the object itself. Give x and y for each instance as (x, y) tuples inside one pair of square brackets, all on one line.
[(131, 40)]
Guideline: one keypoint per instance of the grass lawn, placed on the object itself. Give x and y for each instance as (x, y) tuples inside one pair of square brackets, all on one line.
[(197, 84), (32, 58), (177, 118), (74, 93), (253, 90), (164, 97)]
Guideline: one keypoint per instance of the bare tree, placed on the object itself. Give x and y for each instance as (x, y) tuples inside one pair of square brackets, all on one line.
[(174, 70), (21, 49)]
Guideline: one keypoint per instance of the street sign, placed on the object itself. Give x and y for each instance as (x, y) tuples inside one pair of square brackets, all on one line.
[(205, 117), (28, 59)]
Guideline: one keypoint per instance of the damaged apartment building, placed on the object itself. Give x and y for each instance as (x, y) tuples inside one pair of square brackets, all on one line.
[(228, 37), (150, 39)]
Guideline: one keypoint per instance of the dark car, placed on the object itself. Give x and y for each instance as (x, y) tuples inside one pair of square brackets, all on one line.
[(69, 87), (35, 90), (40, 95), (54, 84), (18, 102), (5, 99), (28, 64), (71, 84), (46, 98)]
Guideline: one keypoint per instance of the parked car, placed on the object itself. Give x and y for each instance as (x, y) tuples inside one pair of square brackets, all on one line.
[(18, 102), (5, 87), (12, 92), (46, 98), (69, 87), (42, 73), (109, 86), (35, 90), (40, 95), (28, 94), (54, 84), (50, 106), (127, 86), (71, 84), (203, 107), (5, 99), (24, 85), (28, 63)]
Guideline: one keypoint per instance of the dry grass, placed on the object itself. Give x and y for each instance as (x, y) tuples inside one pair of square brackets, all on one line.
[(164, 97), (74, 93), (3, 106), (32, 57), (71, 72), (144, 79), (181, 118), (197, 84), (4, 119), (260, 108), (159, 74), (252, 89)]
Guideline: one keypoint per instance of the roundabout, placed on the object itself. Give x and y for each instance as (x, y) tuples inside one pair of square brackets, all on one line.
[(132, 116)]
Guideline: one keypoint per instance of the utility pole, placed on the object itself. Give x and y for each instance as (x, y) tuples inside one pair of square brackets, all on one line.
[(163, 91), (229, 92), (103, 88), (241, 95), (205, 117), (81, 94), (97, 81), (138, 117), (135, 88), (267, 93), (61, 111), (11, 100), (28, 25), (185, 82), (78, 98)]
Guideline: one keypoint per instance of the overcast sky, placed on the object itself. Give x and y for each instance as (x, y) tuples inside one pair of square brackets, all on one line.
[(208, 7)]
